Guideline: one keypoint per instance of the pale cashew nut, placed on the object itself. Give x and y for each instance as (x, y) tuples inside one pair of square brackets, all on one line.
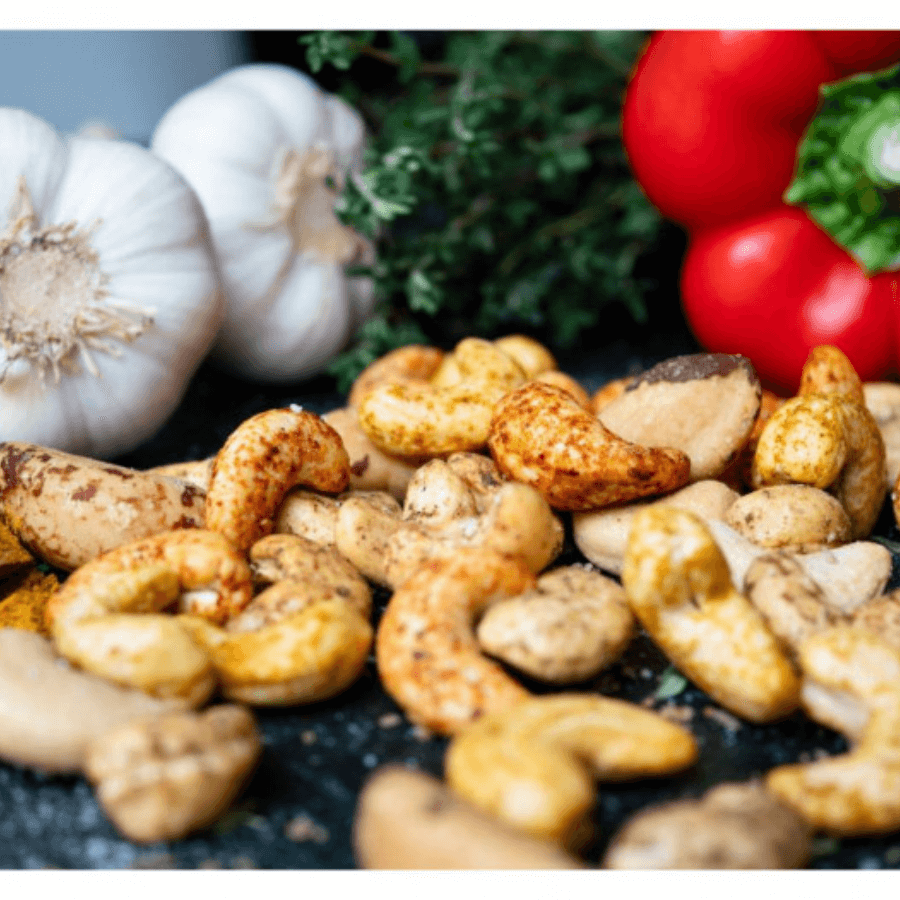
[(540, 436), (534, 764), (426, 652), (733, 826), (196, 472), (49, 711), (851, 684), (280, 557), (262, 459), (881, 616), (679, 586), (602, 534), (162, 778), (574, 624), (424, 420), (882, 399), (794, 517), (534, 358), (415, 362), (829, 441), (407, 819), (794, 606), (69, 509), (370, 468)]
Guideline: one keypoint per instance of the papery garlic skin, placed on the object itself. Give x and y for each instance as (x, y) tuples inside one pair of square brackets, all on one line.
[(153, 275), (257, 144)]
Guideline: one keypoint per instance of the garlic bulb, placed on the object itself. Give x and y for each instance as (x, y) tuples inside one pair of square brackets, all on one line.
[(267, 152), (109, 291)]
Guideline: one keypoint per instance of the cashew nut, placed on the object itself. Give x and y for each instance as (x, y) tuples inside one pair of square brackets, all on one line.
[(851, 684), (420, 419), (540, 436), (794, 517), (69, 509), (679, 586), (534, 764), (49, 711), (370, 468), (162, 778), (407, 819), (108, 615), (703, 404), (534, 358), (882, 399), (195, 473), (262, 459), (828, 370), (602, 534), (733, 826), (829, 441), (574, 624), (461, 502), (426, 652), (568, 384), (415, 362)]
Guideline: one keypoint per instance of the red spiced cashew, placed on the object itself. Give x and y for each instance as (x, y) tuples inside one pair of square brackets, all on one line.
[(427, 655), (541, 436), (262, 459)]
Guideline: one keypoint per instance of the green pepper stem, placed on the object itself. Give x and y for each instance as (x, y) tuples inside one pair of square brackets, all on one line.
[(848, 168)]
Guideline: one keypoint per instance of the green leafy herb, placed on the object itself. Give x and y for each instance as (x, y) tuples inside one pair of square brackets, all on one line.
[(671, 684), (494, 185)]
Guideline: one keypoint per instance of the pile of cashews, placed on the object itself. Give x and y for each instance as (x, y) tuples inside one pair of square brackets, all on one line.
[(728, 524)]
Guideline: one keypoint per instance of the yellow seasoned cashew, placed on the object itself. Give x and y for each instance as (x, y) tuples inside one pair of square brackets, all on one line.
[(679, 586), (829, 441), (421, 419), (262, 459), (828, 370), (304, 638), (108, 616), (426, 652), (534, 764), (542, 437), (851, 684), (415, 362), (574, 624)]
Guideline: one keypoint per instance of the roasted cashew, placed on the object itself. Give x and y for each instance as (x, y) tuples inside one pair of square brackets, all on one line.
[(49, 711), (679, 585), (829, 441), (314, 516), (733, 826), (407, 819), (415, 362), (794, 517), (882, 399), (574, 624), (794, 606), (534, 358), (370, 468), (107, 616), (300, 649), (602, 534), (426, 652), (461, 502), (851, 684), (421, 419), (828, 370), (68, 509), (534, 763), (262, 459), (540, 436), (568, 384), (162, 778)]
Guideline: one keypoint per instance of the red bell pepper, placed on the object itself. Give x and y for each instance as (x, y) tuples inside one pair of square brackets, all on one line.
[(787, 181)]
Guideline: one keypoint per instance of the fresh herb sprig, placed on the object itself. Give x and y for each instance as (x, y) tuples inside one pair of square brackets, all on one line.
[(495, 184)]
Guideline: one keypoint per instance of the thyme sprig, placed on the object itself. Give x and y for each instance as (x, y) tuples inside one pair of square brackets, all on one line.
[(494, 184)]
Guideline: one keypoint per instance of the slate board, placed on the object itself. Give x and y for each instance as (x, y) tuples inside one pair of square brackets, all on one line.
[(298, 808)]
